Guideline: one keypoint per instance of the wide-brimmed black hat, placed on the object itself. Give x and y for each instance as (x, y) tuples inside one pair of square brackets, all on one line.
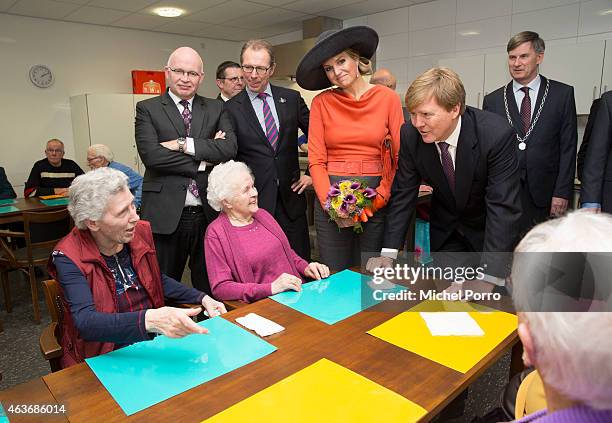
[(310, 74)]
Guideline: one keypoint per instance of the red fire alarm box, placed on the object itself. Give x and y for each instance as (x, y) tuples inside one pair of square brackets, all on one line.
[(148, 82)]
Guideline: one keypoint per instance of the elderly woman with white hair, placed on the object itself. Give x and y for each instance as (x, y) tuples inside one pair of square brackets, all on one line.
[(100, 155), (113, 291), (248, 256), (572, 351)]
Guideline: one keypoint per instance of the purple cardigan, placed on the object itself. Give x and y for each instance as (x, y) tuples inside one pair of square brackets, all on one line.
[(577, 414), (230, 276)]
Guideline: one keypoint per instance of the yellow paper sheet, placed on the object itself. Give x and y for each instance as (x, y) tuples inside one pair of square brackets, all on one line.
[(409, 331), (323, 391), (51, 197)]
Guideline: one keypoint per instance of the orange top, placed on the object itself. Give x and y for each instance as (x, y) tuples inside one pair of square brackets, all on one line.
[(343, 129)]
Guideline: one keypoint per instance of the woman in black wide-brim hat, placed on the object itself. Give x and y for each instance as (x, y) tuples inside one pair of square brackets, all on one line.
[(353, 134)]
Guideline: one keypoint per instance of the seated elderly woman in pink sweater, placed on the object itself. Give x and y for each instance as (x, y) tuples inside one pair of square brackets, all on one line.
[(248, 256)]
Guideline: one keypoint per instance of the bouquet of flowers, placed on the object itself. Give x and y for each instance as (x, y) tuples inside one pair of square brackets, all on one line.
[(350, 199)]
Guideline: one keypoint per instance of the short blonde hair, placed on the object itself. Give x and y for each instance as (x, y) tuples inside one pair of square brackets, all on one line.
[(364, 64), (443, 84)]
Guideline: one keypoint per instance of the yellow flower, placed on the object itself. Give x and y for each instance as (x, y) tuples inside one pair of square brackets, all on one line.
[(345, 186), (336, 202)]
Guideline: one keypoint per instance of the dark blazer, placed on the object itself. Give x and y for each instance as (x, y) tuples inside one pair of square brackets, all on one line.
[(597, 173), (6, 189), (550, 158), (486, 205), (586, 138), (168, 173), (272, 168)]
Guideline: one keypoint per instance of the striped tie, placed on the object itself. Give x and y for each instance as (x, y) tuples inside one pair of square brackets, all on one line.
[(271, 130), (193, 187)]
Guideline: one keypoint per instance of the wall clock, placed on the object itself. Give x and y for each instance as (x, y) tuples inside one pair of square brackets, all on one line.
[(41, 76)]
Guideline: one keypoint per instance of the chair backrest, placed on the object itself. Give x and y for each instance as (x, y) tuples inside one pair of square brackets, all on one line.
[(45, 229), (53, 298)]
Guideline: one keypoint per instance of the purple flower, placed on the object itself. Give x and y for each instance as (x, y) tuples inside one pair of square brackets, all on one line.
[(350, 199), (333, 192), (355, 185), (369, 193), (335, 185), (344, 207)]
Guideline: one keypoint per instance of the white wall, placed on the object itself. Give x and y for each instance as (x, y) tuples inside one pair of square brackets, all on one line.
[(413, 39), (84, 59)]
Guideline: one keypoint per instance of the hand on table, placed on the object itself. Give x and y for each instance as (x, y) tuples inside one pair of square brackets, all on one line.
[(213, 307), (60, 191), (286, 282), (378, 263), (173, 322), (316, 271), (558, 206)]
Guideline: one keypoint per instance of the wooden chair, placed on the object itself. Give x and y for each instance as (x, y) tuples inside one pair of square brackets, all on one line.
[(42, 231), (49, 338)]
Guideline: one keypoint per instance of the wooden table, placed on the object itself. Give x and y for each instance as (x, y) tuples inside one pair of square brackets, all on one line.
[(31, 393), (303, 342), (25, 204)]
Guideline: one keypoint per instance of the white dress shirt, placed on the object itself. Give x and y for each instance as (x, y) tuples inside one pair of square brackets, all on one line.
[(190, 199), (534, 87)]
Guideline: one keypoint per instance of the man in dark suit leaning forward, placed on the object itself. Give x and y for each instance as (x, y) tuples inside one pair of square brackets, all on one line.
[(180, 136), (468, 157), (543, 113), (266, 119)]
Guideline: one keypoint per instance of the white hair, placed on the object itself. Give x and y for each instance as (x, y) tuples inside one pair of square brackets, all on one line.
[(102, 151), (223, 182), (90, 193), (573, 351)]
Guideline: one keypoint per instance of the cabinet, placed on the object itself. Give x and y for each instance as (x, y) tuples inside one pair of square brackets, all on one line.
[(471, 70), (106, 119), (579, 65)]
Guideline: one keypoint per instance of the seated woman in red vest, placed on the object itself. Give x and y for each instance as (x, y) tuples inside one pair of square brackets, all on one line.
[(248, 256), (113, 289)]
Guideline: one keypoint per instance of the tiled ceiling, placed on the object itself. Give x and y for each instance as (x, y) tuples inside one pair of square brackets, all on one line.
[(234, 20)]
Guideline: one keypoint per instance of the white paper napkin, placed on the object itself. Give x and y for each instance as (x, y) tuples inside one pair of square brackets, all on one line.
[(451, 324), (261, 325)]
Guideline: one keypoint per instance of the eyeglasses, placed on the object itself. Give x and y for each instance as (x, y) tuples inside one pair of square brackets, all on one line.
[(260, 69), (181, 72), (54, 151), (92, 159), (234, 79)]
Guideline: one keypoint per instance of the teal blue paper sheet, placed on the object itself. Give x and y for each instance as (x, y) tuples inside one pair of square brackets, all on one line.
[(3, 416), (7, 201), (333, 299), (145, 373), (8, 209), (55, 202)]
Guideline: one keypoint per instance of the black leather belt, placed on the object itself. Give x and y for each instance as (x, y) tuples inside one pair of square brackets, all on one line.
[(193, 209)]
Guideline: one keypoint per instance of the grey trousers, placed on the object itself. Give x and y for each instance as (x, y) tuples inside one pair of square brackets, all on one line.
[(341, 248)]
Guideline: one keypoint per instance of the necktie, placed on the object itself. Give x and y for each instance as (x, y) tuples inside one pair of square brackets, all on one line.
[(271, 130), (447, 165), (193, 187), (526, 110)]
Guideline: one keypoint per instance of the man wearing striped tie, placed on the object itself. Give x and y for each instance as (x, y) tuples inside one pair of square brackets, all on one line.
[(266, 119)]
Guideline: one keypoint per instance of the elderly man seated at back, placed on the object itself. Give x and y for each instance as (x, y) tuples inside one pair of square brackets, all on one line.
[(572, 351), (53, 174), (100, 155), (113, 290)]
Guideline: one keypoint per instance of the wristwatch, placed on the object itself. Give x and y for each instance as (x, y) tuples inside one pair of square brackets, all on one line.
[(181, 143)]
